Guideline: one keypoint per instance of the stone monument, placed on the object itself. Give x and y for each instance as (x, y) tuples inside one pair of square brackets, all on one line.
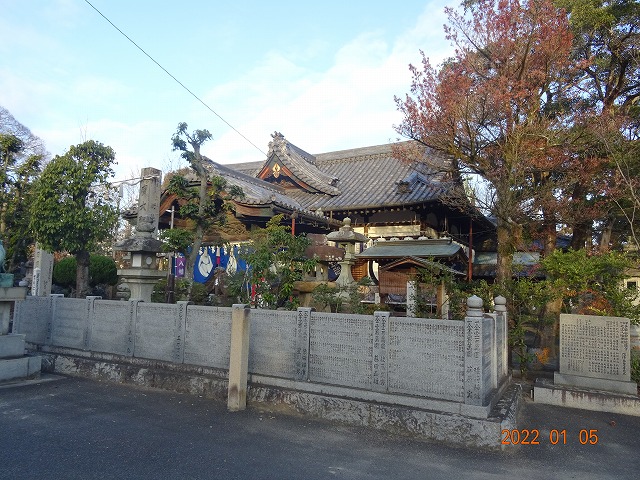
[(42, 273), (14, 364), (144, 245), (595, 367), (595, 353)]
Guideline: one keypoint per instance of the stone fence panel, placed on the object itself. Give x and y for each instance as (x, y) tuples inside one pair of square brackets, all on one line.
[(462, 361)]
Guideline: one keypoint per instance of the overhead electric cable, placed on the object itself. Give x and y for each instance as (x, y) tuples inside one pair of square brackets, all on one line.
[(174, 78)]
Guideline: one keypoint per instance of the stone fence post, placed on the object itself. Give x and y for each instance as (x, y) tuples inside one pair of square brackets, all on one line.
[(502, 332), (238, 358), (474, 385)]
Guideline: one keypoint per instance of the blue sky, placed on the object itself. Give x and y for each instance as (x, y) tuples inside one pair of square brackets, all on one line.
[(322, 73)]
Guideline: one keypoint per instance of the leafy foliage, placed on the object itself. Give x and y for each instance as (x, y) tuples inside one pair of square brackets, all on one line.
[(498, 108), (21, 157), (205, 203), (65, 271), (591, 284), (344, 299), (176, 239), (277, 260), (635, 367), (184, 291), (102, 270), (72, 208)]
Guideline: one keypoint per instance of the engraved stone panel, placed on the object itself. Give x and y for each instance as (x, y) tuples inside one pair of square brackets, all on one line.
[(426, 358), (593, 346), (341, 349), (489, 360), (32, 315), (43, 265), (111, 327), (272, 345), (155, 331), (70, 322), (379, 373), (501, 347), (208, 336), (473, 378), (303, 323)]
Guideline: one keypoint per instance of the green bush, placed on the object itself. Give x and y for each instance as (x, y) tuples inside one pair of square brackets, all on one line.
[(64, 272), (199, 295), (102, 270), (635, 367)]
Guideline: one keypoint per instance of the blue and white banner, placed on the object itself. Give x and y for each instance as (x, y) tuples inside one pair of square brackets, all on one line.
[(211, 257)]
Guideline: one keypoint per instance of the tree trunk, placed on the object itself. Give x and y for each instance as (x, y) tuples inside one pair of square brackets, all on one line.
[(82, 275), (605, 236), (505, 252), (203, 200), (551, 310)]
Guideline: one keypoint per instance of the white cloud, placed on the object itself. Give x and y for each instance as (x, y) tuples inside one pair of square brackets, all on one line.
[(349, 105)]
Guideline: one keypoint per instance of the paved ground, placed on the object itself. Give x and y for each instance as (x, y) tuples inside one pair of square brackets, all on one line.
[(80, 429)]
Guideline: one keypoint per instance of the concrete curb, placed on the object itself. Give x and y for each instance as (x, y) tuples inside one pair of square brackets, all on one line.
[(440, 426)]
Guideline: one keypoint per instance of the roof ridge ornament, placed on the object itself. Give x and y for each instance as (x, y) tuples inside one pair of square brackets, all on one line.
[(278, 144)]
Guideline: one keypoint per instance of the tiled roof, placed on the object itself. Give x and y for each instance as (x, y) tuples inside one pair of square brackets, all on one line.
[(256, 191), (302, 164), (411, 248), (364, 177), (422, 262)]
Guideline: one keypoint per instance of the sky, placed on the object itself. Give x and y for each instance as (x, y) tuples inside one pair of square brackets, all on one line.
[(324, 74)]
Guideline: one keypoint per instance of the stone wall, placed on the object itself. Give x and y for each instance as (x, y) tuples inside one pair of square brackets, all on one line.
[(462, 362)]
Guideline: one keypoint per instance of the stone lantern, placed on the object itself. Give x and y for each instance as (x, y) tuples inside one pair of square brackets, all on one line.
[(346, 238), (143, 245)]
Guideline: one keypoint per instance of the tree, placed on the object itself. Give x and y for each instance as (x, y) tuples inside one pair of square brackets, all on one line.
[(605, 49), (206, 204), (277, 260), (499, 107), (72, 209), (21, 157)]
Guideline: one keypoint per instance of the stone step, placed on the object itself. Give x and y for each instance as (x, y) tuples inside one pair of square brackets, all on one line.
[(11, 345), (18, 368)]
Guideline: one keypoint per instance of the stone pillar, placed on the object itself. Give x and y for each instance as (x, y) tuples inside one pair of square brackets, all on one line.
[(442, 301), (474, 385), (42, 273), (149, 203), (502, 341), (412, 297), (238, 358)]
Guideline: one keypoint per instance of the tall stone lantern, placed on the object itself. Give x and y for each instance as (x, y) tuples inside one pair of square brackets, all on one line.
[(144, 245), (346, 238)]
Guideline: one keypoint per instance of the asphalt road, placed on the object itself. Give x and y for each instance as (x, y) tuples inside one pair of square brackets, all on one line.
[(74, 428)]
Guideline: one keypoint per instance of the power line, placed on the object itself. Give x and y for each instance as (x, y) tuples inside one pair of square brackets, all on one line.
[(175, 79)]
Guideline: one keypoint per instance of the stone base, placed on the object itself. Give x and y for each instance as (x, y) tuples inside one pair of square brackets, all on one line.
[(20, 368), (11, 346), (421, 418), (546, 392), (141, 282), (6, 279), (591, 383), (13, 362)]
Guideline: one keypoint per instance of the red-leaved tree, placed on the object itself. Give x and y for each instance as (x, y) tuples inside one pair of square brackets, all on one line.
[(499, 109)]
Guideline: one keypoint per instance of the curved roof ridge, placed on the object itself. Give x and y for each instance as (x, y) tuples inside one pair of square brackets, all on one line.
[(302, 164)]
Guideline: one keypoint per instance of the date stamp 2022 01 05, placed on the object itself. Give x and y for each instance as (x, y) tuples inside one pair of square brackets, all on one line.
[(554, 437)]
